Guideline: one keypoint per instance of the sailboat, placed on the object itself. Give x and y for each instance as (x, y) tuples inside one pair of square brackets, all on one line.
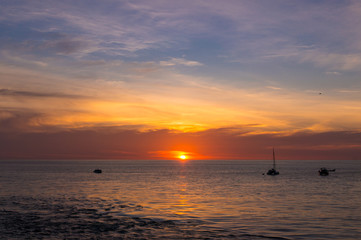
[(273, 171)]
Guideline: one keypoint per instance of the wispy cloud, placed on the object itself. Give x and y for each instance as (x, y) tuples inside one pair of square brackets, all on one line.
[(349, 91), (333, 73), (180, 61), (158, 64), (333, 61), (15, 93), (274, 88), (278, 30)]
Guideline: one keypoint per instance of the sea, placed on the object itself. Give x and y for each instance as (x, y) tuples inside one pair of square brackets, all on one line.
[(171, 199)]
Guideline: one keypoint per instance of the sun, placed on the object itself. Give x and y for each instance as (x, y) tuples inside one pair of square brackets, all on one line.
[(183, 157)]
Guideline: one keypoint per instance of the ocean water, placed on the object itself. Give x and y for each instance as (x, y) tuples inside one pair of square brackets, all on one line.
[(179, 200)]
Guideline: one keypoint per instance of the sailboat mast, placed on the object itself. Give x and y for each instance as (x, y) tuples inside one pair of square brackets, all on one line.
[(274, 159)]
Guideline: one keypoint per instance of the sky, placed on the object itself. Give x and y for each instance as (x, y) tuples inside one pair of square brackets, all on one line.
[(157, 79)]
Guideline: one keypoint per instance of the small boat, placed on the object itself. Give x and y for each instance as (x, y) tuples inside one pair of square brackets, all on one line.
[(325, 171), (273, 171), (97, 170)]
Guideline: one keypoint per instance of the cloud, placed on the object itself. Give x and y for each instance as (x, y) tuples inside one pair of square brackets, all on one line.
[(13, 120), (349, 91), (15, 93), (333, 73), (325, 59), (11, 56), (65, 45), (333, 61), (161, 98), (274, 88), (247, 30), (180, 61), (42, 43), (113, 53)]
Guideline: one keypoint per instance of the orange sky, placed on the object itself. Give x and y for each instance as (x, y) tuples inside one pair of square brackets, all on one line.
[(108, 143), (127, 80)]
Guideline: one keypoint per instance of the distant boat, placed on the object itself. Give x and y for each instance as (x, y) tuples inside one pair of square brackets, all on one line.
[(273, 171), (325, 171), (97, 171)]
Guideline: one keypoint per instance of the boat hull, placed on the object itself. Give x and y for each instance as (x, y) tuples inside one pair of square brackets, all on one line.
[(272, 172), (323, 172)]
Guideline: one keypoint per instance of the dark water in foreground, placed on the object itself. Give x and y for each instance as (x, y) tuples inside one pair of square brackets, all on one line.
[(179, 200)]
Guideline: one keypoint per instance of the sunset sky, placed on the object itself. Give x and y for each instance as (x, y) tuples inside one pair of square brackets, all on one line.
[(160, 79)]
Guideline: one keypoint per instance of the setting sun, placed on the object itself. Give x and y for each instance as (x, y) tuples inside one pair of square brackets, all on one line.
[(183, 157)]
